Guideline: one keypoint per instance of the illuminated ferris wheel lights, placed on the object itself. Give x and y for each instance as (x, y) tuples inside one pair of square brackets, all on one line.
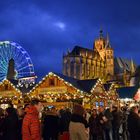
[(23, 63), (19, 47), (6, 42)]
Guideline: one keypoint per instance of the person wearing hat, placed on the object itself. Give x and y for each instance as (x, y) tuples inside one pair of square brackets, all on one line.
[(78, 124)]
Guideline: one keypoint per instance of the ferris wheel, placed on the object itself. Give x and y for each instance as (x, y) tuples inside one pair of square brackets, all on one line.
[(23, 64)]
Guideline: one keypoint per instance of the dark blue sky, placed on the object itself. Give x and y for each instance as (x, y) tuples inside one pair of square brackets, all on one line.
[(47, 28)]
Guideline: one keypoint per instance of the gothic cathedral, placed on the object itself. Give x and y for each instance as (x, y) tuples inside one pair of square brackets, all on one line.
[(99, 62)]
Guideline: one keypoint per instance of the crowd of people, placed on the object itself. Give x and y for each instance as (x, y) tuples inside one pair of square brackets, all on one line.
[(36, 122)]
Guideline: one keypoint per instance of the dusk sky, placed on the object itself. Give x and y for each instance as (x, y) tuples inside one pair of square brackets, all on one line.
[(48, 28)]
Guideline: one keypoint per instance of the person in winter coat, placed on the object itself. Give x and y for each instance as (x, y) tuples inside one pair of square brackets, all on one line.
[(105, 118), (10, 125), (65, 118), (31, 125), (1, 123), (116, 122), (125, 113), (51, 125), (20, 112), (78, 124), (134, 124), (94, 126)]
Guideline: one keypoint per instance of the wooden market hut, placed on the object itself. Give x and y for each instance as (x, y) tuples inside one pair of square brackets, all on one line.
[(57, 88), (112, 93), (127, 95), (9, 93), (94, 88)]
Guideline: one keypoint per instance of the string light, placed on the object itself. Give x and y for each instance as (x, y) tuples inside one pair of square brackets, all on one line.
[(80, 94)]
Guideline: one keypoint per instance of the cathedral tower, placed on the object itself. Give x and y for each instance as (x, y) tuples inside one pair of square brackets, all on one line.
[(109, 58), (99, 45)]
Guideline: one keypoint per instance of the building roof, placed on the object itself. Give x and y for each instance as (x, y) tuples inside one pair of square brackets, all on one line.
[(83, 85), (77, 49), (107, 86), (121, 64), (87, 85), (127, 92), (82, 52), (71, 80)]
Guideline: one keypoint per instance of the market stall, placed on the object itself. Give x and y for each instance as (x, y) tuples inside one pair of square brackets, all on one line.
[(9, 94), (57, 88)]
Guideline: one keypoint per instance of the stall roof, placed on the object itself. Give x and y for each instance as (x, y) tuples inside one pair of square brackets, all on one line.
[(107, 86), (83, 85), (127, 92), (87, 85), (70, 80)]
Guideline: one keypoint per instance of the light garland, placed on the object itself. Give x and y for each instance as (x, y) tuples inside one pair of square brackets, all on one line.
[(50, 74), (6, 81)]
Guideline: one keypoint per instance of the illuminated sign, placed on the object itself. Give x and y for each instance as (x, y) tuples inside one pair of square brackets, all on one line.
[(52, 90)]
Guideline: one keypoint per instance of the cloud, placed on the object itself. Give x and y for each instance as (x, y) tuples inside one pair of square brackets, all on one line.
[(60, 25)]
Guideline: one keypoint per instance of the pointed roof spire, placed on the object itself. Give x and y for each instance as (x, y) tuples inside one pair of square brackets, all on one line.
[(107, 39), (101, 33), (132, 66), (68, 50), (107, 42)]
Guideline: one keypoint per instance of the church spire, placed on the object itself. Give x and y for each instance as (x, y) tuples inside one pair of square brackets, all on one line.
[(68, 51), (132, 66), (101, 33), (107, 39), (107, 42)]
